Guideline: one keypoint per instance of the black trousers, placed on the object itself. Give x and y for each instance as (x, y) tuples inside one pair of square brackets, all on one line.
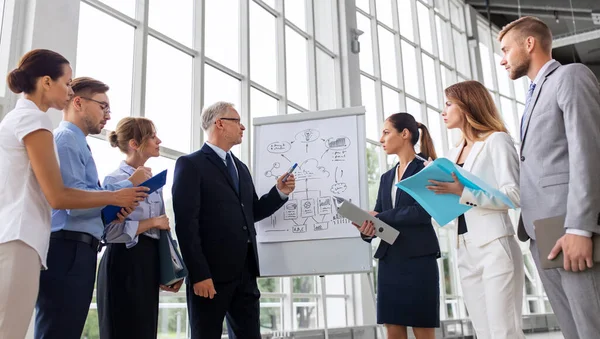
[(238, 301), (128, 287), (66, 290)]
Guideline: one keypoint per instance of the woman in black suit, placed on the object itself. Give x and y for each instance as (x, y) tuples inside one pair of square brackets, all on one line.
[(408, 277)]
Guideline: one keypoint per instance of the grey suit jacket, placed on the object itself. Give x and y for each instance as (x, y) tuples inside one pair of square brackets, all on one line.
[(560, 150)]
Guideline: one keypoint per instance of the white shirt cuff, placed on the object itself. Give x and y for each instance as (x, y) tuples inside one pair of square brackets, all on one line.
[(281, 194), (579, 232)]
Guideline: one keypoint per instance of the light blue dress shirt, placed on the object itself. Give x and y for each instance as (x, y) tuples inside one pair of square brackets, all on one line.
[(222, 154), (153, 206), (78, 170)]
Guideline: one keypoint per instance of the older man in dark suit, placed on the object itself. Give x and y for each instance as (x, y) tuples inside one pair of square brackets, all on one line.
[(216, 206)]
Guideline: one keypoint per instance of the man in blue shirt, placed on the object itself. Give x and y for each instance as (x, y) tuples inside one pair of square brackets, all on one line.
[(67, 286)]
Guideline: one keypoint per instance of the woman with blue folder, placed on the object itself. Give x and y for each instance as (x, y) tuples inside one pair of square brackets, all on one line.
[(128, 277), (408, 277), (490, 261)]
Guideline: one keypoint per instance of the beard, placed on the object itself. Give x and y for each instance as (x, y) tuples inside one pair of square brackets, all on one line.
[(520, 69), (93, 128)]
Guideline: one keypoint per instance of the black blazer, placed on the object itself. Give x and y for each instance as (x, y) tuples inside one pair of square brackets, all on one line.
[(213, 223), (417, 236)]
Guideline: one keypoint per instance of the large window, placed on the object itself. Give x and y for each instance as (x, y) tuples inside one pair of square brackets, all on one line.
[(405, 69), (167, 64)]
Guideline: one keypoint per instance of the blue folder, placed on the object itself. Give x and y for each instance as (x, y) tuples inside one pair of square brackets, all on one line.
[(444, 208), (109, 213)]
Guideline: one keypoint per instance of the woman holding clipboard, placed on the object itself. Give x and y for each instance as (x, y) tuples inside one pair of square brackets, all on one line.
[(408, 278), (128, 277), (490, 261)]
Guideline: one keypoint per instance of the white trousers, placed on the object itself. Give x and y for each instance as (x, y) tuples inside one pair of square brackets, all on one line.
[(492, 278), (19, 284)]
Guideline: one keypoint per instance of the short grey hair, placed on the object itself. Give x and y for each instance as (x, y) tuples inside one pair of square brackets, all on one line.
[(213, 112)]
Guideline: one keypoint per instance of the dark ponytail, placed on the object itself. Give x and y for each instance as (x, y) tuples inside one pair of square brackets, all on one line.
[(402, 121), (33, 65), (427, 147)]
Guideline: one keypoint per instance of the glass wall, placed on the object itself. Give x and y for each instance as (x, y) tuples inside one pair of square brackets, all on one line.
[(410, 51), (166, 60)]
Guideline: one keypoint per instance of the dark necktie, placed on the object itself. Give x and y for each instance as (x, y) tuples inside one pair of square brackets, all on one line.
[(232, 172)]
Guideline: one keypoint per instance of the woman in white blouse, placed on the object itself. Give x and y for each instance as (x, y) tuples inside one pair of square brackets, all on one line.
[(32, 184), (490, 261), (128, 276)]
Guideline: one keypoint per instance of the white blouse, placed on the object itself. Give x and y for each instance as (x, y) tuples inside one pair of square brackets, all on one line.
[(24, 210)]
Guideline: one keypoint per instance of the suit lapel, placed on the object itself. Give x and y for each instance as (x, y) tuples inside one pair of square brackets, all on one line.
[(408, 172), (218, 162), (388, 180), (477, 147), (456, 152), (536, 94)]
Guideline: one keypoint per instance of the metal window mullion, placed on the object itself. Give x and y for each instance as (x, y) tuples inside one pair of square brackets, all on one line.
[(265, 90), (140, 59), (398, 49), (198, 76), (244, 36), (418, 57), (325, 50), (491, 54), (433, 33), (281, 58), (99, 5), (288, 318), (438, 77), (351, 300), (223, 68), (337, 62), (377, 73), (296, 106), (313, 90), (172, 42), (266, 7), (443, 296)]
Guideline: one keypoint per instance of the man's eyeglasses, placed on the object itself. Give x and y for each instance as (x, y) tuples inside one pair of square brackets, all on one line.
[(103, 105), (238, 120)]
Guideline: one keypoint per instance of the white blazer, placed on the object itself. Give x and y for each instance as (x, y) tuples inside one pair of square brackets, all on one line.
[(496, 162)]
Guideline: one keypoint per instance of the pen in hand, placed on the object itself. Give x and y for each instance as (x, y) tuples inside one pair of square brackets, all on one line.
[(289, 172)]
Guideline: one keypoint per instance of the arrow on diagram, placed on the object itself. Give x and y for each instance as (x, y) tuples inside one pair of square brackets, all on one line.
[(306, 148), (324, 153), (286, 158)]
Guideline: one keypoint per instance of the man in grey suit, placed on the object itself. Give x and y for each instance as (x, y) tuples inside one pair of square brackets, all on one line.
[(560, 169)]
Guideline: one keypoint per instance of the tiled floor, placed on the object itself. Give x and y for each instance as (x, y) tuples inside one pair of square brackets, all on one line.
[(550, 335)]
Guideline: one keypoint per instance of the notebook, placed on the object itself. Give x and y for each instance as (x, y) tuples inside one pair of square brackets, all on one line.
[(547, 232), (109, 213)]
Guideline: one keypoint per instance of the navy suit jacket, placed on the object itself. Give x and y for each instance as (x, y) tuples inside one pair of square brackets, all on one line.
[(214, 223), (417, 236)]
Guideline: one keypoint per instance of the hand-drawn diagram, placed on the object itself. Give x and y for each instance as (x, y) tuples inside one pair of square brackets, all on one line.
[(327, 158)]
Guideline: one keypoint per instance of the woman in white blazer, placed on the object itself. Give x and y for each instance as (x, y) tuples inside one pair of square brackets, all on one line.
[(490, 261)]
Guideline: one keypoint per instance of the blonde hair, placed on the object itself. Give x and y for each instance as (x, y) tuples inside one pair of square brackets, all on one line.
[(530, 26), (130, 128), (481, 114)]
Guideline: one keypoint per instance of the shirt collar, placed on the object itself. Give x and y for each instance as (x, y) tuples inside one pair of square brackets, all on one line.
[(220, 152), (73, 128), (26, 103), (536, 81), (126, 168)]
